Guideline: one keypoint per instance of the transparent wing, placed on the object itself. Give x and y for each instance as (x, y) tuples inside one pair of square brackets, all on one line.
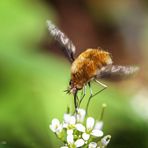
[(117, 72), (67, 45)]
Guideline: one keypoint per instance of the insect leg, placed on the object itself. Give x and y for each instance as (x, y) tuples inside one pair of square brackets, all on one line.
[(101, 83), (104, 87), (91, 95), (84, 93)]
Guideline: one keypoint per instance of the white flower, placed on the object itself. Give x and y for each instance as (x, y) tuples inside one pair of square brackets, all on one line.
[(92, 145), (79, 142), (71, 143), (55, 126), (85, 136), (105, 140), (99, 125), (80, 115), (97, 130), (80, 127), (97, 133), (78, 133), (90, 123), (90, 129), (69, 121)]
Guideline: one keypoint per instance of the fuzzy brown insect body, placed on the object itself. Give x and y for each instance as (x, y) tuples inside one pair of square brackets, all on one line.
[(86, 66)]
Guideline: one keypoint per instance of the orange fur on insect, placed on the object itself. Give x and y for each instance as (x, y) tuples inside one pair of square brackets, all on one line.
[(86, 66)]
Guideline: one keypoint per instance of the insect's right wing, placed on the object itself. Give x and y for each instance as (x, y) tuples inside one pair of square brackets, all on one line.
[(117, 72), (67, 45)]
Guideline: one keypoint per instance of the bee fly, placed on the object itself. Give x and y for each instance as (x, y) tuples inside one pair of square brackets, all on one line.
[(90, 65)]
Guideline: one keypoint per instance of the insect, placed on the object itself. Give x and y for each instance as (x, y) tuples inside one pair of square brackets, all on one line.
[(90, 65)]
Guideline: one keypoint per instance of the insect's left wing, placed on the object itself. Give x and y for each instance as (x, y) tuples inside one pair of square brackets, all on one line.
[(66, 43), (117, 72)]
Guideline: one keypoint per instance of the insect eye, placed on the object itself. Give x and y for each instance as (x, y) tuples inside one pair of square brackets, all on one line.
[(70, 82)]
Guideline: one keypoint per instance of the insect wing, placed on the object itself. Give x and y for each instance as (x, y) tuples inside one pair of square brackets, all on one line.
[(67, 45), (117, 72)]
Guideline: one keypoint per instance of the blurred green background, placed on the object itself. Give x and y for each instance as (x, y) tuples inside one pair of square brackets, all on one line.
[(34, 73)]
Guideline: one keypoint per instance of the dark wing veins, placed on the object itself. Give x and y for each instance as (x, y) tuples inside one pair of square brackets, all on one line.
[(67, 45), (117, 72)]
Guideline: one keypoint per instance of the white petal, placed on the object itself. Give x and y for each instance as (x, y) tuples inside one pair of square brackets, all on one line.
[(80, 127), (70, 139), (55, 121), (69, 132), (105, 140), (65, 125), (64, 147), (72, 120), (90, 123), (52, 128), (85, 136), (81, 111), (67, 118), (99, 125), (81, 115), (92, 145), (97, 133), (79, 142), (59, 129), (54, 125)]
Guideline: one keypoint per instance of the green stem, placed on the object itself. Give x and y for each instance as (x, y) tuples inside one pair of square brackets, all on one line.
[(102, 111)]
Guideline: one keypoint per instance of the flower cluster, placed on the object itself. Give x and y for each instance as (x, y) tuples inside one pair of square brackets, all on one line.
[(78, 130)]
